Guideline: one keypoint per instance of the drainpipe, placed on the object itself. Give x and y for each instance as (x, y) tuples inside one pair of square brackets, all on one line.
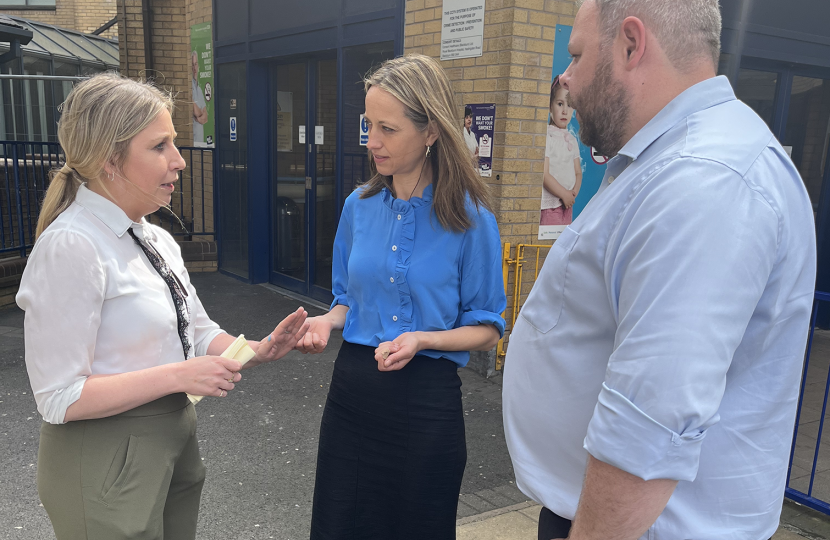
[(746, 9), (147, 18)]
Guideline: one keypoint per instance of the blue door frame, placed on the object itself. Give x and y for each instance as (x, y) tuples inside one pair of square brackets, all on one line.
[(305, 286)]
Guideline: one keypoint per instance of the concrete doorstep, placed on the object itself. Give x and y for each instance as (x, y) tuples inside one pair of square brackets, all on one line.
[(519, 522)]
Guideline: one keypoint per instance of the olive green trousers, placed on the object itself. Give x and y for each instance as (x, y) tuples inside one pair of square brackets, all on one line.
[(136, 475)]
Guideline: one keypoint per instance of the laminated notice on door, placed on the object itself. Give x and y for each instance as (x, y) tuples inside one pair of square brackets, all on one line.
[(319, 137), (238, 350), (302, 134)]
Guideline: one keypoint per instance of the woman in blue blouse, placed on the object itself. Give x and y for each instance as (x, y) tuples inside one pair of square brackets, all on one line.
[(417, 283)]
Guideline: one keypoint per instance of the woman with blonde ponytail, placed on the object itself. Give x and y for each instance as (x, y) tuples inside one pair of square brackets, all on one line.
[(115, 334), (417, 284)]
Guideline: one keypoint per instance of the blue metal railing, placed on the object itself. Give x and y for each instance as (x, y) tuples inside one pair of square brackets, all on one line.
[(23, 182), (796, 482), (25, 175), (193, 201)]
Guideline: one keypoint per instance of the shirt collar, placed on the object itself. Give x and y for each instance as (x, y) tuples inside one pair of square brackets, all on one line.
[(699, 97), (397, 204), (105, 210)]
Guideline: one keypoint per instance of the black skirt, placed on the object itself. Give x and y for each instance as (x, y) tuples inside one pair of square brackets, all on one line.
[(392, 450)]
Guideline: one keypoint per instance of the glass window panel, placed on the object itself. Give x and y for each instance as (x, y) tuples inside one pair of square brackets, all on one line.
[(808, 131), (40, 2), (757, 89), (233, 170), (39, 105), (288, 205), (357, 62), (13, 117), (326, 171), (4, 3)]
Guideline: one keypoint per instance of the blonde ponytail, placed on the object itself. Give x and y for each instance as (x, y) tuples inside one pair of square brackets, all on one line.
[(62, 189), (99, 118)]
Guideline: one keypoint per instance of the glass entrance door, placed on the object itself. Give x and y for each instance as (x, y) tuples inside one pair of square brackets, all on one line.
[(304, 177)]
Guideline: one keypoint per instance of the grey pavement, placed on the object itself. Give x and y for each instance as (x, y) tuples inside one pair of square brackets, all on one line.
[(259, 444)]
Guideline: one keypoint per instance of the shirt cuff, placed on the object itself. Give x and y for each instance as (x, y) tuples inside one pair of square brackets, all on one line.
[(480, 316), (53, 407), (622, 435), (340, 300)]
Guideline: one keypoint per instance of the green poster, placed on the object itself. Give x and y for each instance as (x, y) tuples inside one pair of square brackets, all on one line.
[(201, 86)]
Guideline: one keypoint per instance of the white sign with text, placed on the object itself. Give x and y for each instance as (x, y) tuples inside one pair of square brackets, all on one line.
[(462, 29)]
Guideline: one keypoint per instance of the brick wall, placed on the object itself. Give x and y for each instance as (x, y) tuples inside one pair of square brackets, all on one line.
[(81, 15), (514, 72), (170, 37)]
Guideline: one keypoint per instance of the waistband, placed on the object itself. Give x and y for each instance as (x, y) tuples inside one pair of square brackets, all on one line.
[(162, 405)]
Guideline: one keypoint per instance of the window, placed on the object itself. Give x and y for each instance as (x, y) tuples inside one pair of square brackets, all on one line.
[(28, 4)]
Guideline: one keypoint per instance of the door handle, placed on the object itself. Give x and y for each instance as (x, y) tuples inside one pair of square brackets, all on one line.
[(308, 182)]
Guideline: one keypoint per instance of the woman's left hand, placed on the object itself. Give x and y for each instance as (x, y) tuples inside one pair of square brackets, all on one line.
[(398, 353), (284, 337)]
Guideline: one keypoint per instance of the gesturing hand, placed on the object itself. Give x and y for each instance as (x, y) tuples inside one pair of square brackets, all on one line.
[(316, 337), (284, 337), (394, 355)]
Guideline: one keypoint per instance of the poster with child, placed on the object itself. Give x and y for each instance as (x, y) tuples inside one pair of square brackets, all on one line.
[(572, 175), (562, 176)]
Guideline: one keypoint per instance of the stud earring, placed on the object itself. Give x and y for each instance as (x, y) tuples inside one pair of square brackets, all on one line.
[(112, 177)]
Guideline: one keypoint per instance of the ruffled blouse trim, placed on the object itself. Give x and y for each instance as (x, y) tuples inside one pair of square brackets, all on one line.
[(406, 209)]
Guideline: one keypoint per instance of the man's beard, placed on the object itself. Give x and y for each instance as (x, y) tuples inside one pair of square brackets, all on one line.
[(603, 109)]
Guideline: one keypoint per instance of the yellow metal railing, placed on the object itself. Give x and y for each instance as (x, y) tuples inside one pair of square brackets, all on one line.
[(514, 297)]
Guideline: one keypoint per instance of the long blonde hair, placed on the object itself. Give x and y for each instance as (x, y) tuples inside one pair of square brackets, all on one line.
[(99, 118), (420, 83)]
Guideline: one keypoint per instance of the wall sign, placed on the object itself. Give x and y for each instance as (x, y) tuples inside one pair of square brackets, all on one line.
[(462, 29), (233, 128), (364, 131), (319, 135), (302, 134), (201, 85), (479, 134), (285, 121)]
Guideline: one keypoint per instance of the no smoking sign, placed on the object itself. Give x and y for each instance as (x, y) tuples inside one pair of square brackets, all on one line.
[(598, 158)]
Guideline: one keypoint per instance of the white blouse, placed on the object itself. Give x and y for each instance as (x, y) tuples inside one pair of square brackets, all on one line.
[(95, 305)]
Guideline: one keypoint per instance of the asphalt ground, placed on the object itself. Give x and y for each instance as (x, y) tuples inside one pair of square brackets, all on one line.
[(259, 444)]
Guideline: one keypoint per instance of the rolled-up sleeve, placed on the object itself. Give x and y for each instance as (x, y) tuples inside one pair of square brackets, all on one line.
[(691, 260), (340, 256), (204, 328), (62, 292), (482, 286)]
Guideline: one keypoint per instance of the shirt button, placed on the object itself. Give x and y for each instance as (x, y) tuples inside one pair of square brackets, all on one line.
[(395, 318), (394, 248), (391, 280), (399, 217)]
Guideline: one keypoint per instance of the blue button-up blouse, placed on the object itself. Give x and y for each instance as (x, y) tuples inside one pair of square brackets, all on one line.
[(398, 270)]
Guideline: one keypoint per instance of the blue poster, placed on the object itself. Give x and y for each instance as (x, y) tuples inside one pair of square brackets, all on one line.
[(479, 124), (572, 172)]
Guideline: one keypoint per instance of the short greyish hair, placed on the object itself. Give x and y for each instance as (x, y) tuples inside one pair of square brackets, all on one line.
[(687, 29)]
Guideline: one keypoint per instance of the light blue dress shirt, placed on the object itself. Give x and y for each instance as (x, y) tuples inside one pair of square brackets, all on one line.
[(666, 332), (398, 270)]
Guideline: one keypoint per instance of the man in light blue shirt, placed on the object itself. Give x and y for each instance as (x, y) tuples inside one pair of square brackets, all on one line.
[(651, 379)]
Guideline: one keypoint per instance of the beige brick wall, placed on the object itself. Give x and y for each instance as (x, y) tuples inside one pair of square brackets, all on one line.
[(81, 15), (514, 72)]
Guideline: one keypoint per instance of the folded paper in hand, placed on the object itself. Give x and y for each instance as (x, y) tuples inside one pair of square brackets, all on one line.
[(238, 350)]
